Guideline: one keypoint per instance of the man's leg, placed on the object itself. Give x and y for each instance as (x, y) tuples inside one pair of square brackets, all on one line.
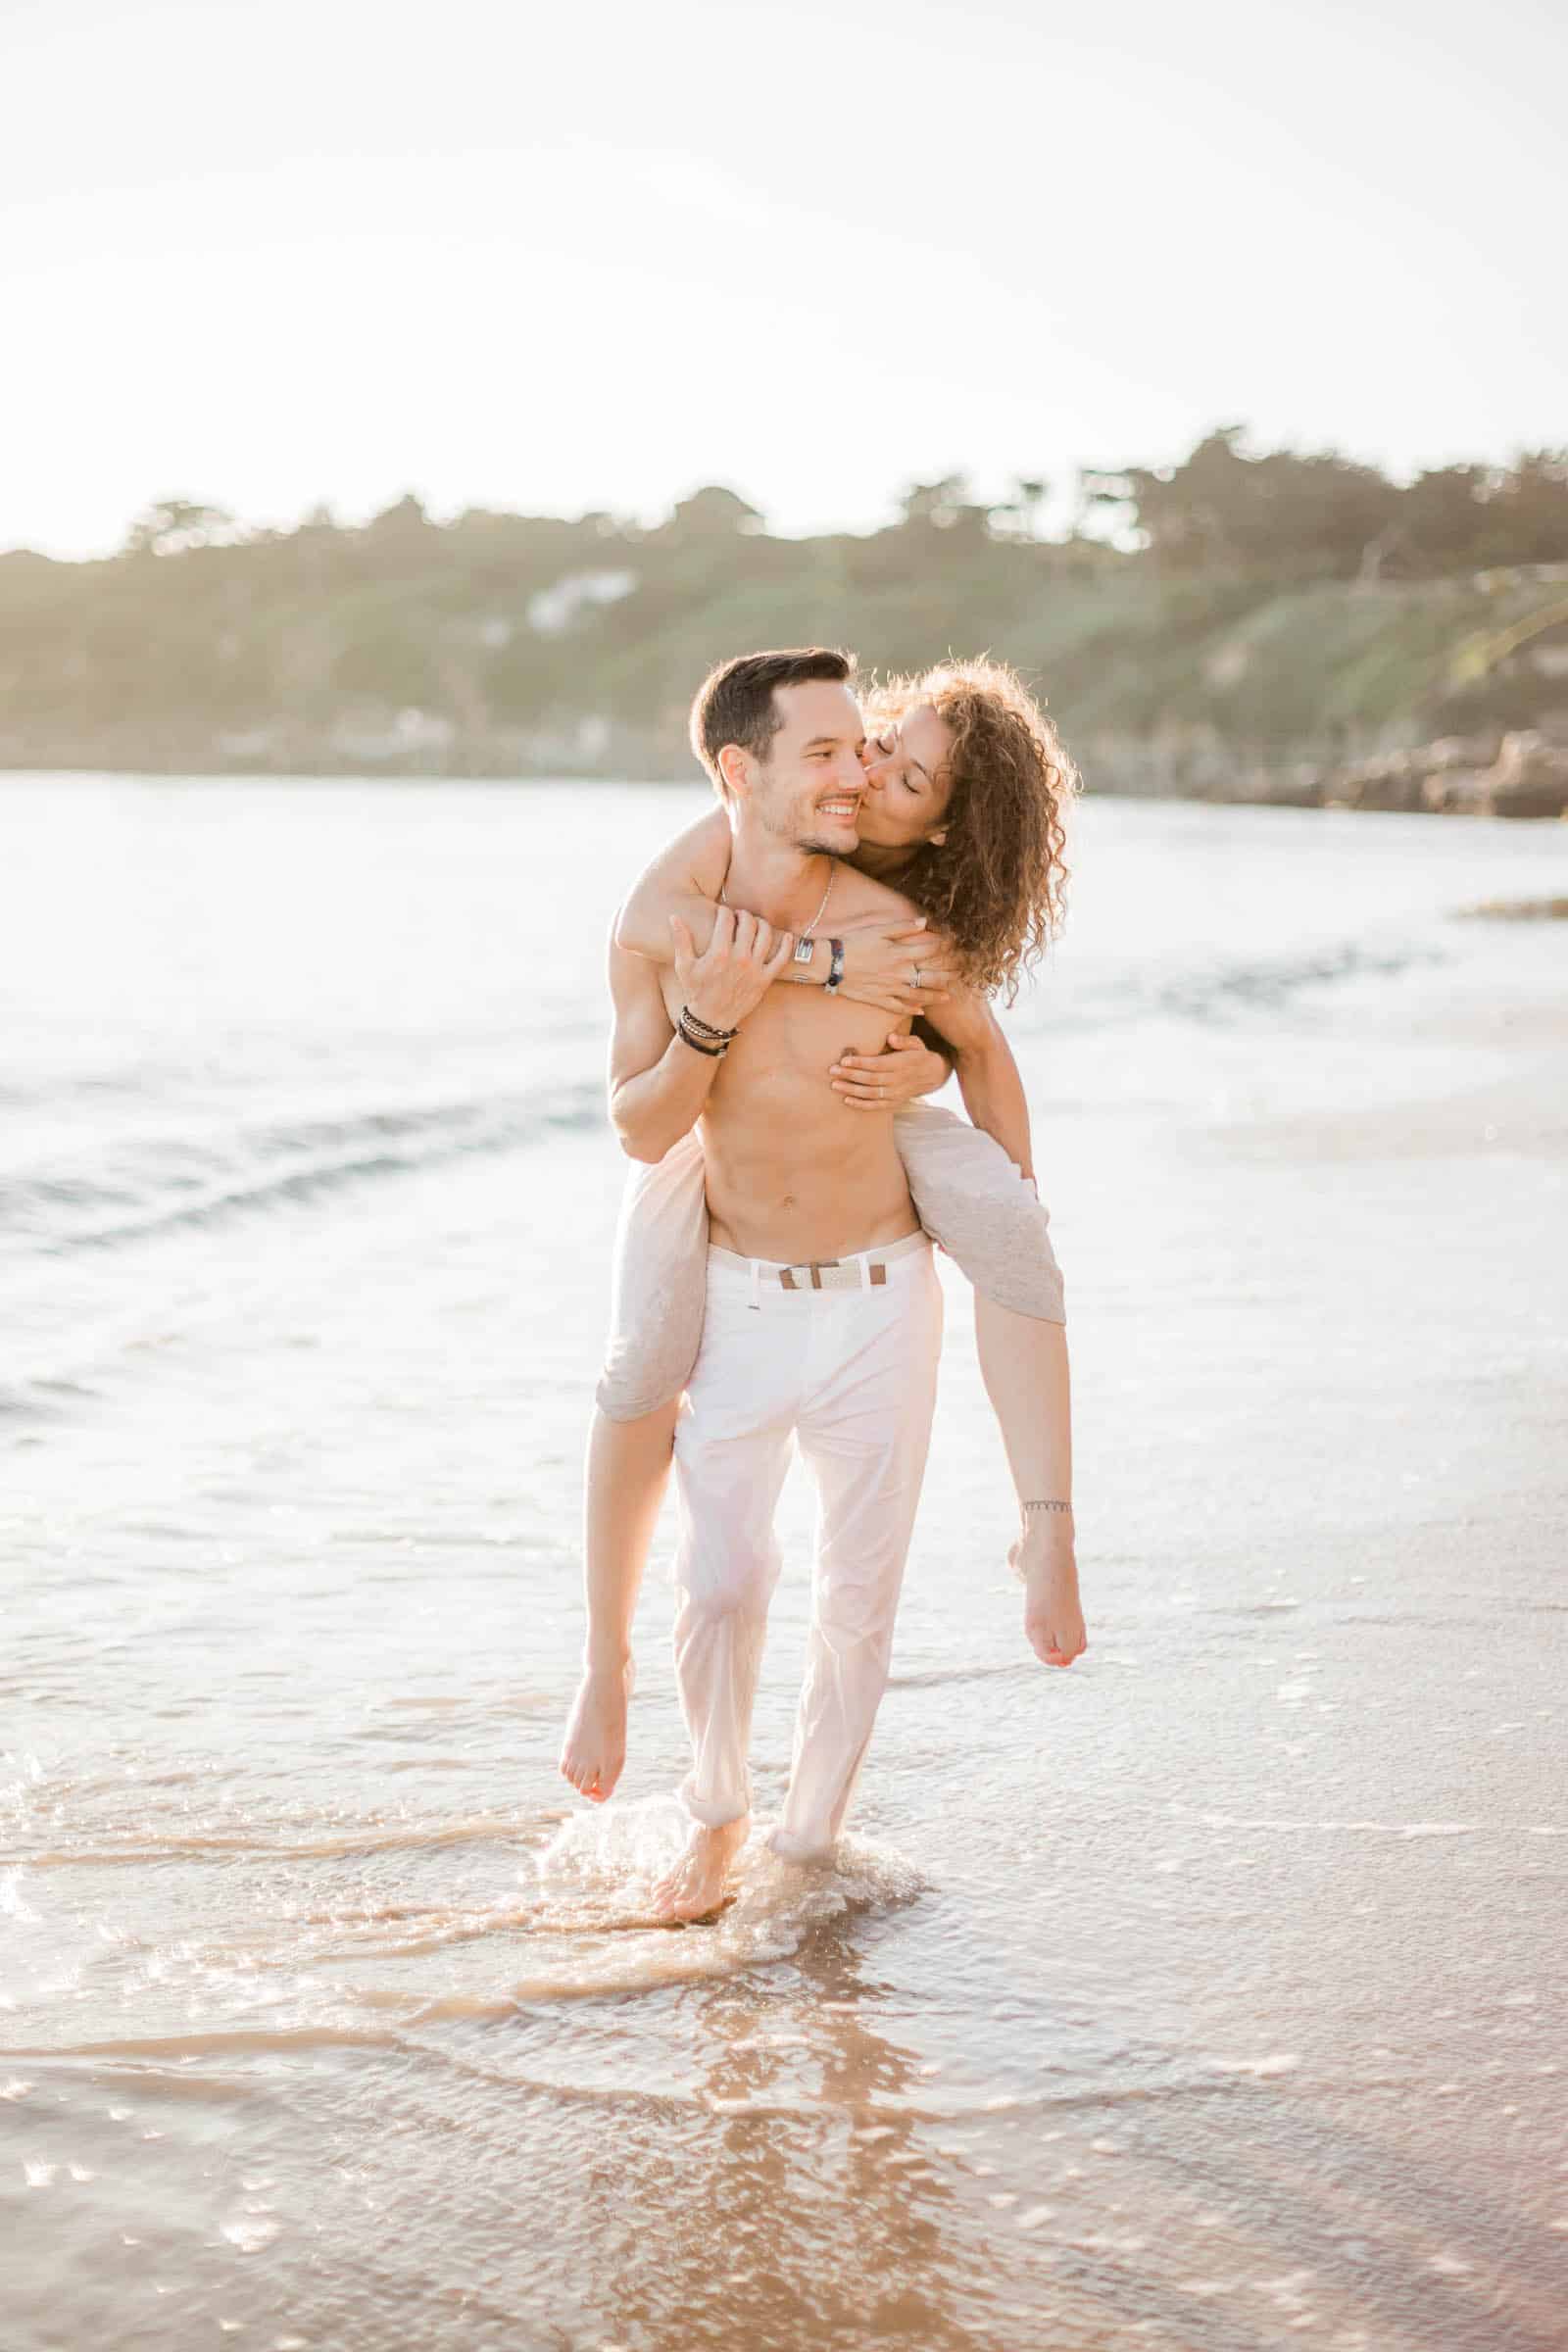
[(732, 1448), (726, 1569), (864, 1432)]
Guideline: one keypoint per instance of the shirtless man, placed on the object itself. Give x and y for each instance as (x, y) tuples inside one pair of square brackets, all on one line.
[(824, 1312)]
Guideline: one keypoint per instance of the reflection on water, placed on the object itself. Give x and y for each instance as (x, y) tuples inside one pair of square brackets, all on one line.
[(808, 2210)]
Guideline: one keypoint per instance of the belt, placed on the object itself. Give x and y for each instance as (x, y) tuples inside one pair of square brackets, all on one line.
[(866, 1269)]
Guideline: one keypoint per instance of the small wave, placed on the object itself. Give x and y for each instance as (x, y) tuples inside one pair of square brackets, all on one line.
[(41, 1400), (279, 1166), (404, 1838), (571, 1920), (938, 1677), (594, 1883), (1222, 992), (242, 2042), (1237, 988)]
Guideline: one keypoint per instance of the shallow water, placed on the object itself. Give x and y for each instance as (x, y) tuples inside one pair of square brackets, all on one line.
[(1207, 1994)]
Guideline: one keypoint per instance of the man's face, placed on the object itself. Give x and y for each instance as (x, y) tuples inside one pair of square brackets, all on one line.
[(808, 789)]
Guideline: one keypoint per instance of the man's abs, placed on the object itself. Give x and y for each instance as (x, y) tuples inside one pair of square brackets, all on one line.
[(792, 1204), (792, 1173)]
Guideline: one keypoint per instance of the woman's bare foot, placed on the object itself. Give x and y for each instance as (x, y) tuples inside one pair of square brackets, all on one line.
[(1053, 1615), (594, 1750), (696, 1884)]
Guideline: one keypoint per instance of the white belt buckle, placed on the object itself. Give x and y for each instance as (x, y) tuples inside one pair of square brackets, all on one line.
[(815, 1267), (868, 1273)]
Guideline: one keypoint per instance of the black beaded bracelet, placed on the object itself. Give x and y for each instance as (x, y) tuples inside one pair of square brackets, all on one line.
[(705, 1028), (713, 1052), (835, 969)]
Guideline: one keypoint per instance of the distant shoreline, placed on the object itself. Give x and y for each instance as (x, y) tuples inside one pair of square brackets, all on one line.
[(1522, 774)]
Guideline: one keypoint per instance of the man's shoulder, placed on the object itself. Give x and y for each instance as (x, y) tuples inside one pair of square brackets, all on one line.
[(701, 853), (857, 893)]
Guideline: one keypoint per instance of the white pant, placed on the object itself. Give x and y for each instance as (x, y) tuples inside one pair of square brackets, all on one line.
[(968, 1194), (851, 1375)]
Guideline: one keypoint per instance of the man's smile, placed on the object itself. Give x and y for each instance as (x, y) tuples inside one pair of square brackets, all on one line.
[(841, 803)]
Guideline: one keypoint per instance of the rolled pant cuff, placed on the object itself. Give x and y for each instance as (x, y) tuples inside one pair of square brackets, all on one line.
[(710, 1814), (799, 1849)]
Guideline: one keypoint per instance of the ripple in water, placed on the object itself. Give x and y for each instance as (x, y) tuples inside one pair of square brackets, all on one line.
[(595, 1882)]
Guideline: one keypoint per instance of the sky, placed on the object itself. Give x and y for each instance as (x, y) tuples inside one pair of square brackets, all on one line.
[(555, 258)]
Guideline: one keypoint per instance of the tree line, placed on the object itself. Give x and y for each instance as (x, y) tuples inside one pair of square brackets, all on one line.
[(1220, 509), (1271, 596)]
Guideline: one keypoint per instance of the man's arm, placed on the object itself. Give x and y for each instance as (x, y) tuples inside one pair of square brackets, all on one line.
[(658, 1083)]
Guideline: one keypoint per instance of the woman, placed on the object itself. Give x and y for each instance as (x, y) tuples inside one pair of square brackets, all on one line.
[(965, 788)]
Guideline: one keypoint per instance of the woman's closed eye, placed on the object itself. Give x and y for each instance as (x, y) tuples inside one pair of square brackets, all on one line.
[(885, 746)]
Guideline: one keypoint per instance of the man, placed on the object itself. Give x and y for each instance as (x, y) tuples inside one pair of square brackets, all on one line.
[(825, 1313)]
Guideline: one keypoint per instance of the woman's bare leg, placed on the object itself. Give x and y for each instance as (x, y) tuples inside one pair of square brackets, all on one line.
[(625, 1476), (1023, 1362)]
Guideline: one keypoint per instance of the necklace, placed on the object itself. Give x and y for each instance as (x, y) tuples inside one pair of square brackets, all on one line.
[(832, 870)]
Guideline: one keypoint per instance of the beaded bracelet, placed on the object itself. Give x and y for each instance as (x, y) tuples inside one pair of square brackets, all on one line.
[(705, 1028), (713, 1052), (701, 1036)]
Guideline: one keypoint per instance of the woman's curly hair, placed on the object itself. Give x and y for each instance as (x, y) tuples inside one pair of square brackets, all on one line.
[(997, 885)]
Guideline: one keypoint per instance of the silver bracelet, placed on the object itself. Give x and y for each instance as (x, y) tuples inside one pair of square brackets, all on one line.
[(1054, 1504)]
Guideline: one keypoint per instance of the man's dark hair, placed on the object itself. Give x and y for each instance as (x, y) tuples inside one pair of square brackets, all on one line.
[(734, 702)]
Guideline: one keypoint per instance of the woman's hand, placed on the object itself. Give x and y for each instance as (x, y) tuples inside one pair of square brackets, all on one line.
[(737, 968), (902, 969), (886, 1081)]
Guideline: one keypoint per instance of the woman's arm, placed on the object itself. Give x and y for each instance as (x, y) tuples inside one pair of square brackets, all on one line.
[(914, 1062), (684, 880), (988, 1075)]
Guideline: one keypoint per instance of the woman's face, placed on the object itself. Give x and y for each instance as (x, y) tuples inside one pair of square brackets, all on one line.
[(905, 788)]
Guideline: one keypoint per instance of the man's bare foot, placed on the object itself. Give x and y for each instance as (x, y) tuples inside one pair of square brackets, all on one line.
[(594, 1750), (1052, 1616), (696, 1884)]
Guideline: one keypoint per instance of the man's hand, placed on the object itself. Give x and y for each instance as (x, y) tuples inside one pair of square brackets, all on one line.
[(886, 1081), (902, 969), (740, 964)]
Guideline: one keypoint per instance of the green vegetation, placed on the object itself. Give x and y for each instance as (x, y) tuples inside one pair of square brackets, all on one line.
[(1263, 608)]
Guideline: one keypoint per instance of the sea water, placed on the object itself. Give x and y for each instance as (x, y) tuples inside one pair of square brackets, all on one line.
[(1207, 1994)]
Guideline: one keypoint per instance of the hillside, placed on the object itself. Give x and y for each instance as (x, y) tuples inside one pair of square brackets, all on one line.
[(502, 644)]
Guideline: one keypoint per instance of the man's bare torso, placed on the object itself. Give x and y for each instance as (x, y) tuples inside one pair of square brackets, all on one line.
[(792, 1173)]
